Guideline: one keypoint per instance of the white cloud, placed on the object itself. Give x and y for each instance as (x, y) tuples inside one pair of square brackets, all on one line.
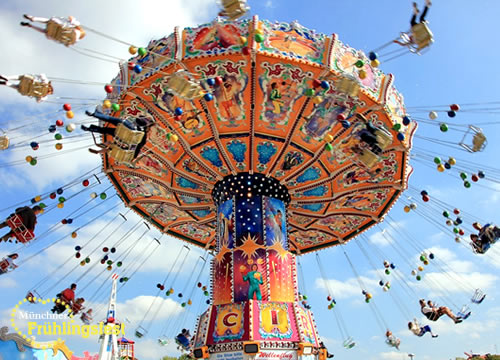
[(136, 308), (387, 235), (470, 328), (393, 355), (346, 288), (150, 350), (453, 275), (6, 282), (441, 284)]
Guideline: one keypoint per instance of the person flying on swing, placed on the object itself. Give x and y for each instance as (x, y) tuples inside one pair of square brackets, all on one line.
[(433, 313), (413, 22)]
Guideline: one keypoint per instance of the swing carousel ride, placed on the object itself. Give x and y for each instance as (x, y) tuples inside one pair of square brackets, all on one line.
[(263, 141)]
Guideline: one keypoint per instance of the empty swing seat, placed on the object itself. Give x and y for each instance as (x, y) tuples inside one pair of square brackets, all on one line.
[(22, 234), (348, 85), (140, 332), (4, 142), (184, 88), (349, 343), (478, 296), (478, 142), (233, 9), (422, 35)]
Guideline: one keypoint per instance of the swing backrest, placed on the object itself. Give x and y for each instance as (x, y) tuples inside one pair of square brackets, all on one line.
[(368, 158), (22, 234), (125, 135), (184, 88), (478, 142), (348, 86), (25, 86), (121, 155), (422, 35), (234, 9), (383, 139), (4, 142), (349, 343), (140, 332)]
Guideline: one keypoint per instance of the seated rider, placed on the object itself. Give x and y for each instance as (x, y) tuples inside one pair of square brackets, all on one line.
[(36, 86), (433, 313), (418, 330), (66, 31), (322, 346), (7, 263), (87, 317), (28, 217), (68, 296), (183, 339), (368, 135), (391, 340), (488, 232), (488, 235), (138, 124), (77, 305), (479, 246), (408, 40)]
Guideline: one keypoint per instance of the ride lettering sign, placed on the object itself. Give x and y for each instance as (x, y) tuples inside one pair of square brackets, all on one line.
[(276, 355), (229, 323)]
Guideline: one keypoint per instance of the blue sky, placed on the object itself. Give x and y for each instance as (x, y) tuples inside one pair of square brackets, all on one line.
[(458, 68)]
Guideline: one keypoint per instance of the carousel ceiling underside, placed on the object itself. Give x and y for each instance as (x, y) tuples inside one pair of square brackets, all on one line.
[(248, 128)]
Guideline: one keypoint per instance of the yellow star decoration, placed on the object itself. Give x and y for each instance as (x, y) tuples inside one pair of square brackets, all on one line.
[(278, 247), (249, 247), (222, 252), (58, 345)]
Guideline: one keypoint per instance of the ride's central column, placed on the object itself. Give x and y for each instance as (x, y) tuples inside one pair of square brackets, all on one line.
[(252, 261), (255, 309)]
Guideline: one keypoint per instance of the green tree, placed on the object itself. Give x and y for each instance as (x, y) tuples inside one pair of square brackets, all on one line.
[(168, 358)]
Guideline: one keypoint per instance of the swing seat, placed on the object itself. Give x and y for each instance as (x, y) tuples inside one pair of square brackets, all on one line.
[(76, 308), (25, 86), (478, 297), (4, 142), (182, 346), (368, 158), (348, 85), (393, 343), (234, 9), (86, 319), (184, 88), (422, 36), (62, 33), (464, 316), (31, 295), (29, 86), (140, 332), (478, 142), (21, 233), (383, 139), (163, 342), (125, 135), (464, 313), (349, 343), (121, 155)]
